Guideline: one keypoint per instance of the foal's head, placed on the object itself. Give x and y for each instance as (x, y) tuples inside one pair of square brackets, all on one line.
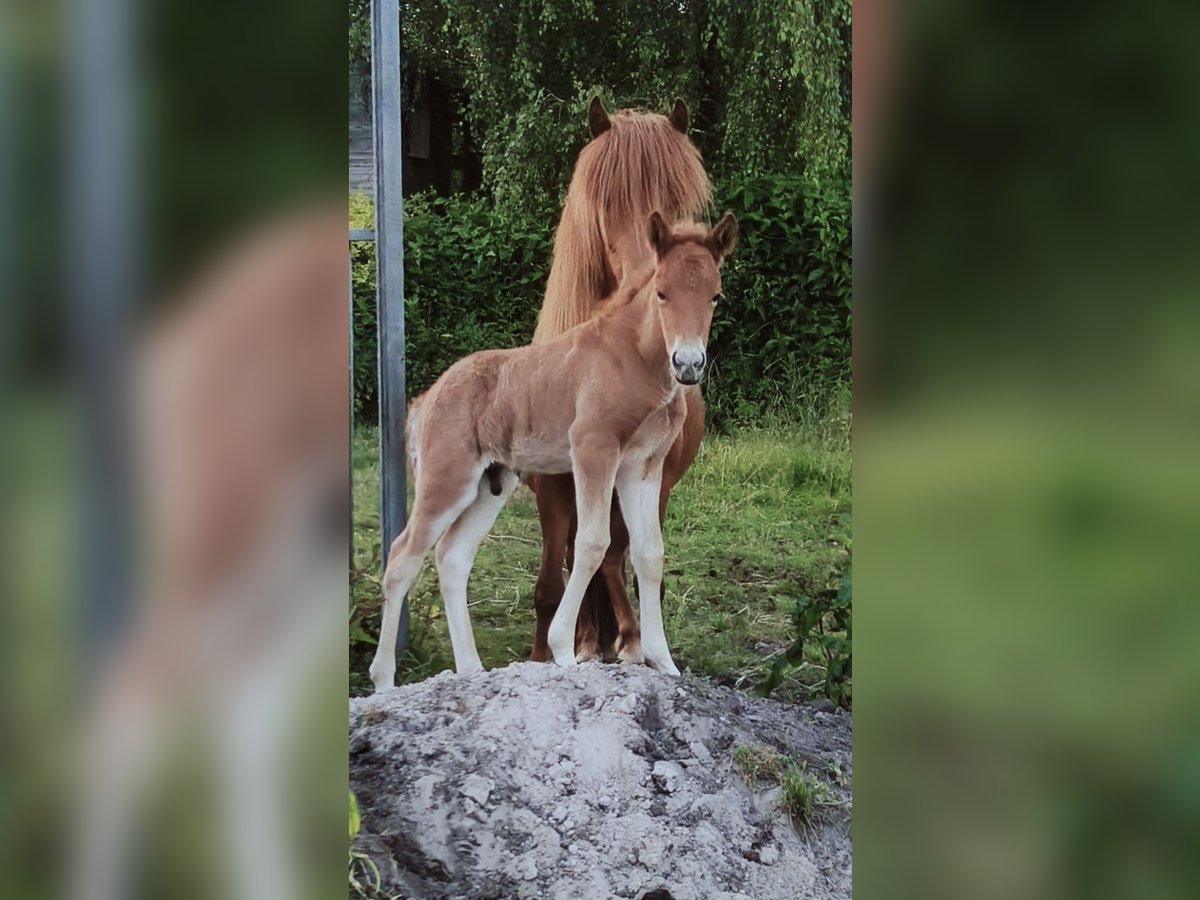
[(687, 285)]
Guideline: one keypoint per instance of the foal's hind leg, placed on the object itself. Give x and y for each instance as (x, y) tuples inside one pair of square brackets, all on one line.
[(455, 557), (455, 489)]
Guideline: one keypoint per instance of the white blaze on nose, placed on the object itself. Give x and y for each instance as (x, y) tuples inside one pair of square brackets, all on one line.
[(688, 354)]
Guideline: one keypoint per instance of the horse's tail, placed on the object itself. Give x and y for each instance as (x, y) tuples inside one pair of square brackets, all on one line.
[(412, 433)]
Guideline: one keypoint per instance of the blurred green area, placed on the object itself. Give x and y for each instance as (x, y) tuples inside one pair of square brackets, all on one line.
[(1027, 716), (238, 113)]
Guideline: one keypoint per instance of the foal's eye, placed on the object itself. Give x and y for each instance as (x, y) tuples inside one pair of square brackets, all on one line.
[(662, 296)]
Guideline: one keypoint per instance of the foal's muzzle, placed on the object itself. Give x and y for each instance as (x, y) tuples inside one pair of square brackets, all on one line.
[(688, 365)]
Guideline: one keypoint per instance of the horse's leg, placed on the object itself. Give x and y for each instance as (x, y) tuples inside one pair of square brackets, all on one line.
[(629, 636), (680, 457), (594, 461), (455, 491), (640, 499), (555, 505), (456, 555)]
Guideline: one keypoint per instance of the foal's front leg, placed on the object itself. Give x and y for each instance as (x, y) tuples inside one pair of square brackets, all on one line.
[(594, 463), (639, 497)]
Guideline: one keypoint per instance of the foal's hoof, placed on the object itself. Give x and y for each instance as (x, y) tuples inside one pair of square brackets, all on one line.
[(383, 678), (563, 656), (663, 663)]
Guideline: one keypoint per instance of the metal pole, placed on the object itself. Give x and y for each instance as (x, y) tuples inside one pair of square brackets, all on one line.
[(101, 280), (389, 277)]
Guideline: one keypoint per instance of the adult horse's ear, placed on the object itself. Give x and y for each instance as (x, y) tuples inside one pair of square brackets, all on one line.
[(679, 116), (723, 237), (598, 121), (659, 232)]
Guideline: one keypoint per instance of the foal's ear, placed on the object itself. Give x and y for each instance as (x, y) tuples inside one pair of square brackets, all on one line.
[(598, 121), (679, 116), (723, 237), (659, 232)]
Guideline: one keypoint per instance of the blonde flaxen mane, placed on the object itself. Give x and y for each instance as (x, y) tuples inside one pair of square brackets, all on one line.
[(639, 164)]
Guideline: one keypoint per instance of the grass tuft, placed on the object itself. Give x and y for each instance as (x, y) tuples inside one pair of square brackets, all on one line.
[(759, 764), (803, 797)]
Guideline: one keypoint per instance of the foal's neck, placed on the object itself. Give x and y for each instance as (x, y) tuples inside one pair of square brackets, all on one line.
[(642, 312)]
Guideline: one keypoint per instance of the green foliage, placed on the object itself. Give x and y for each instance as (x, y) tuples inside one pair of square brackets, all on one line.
[(781, 338), (364, 877), (822, 623), (768, 83), (474, 278)]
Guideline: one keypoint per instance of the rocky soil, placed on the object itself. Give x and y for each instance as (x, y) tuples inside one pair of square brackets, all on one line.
[(601, 781)]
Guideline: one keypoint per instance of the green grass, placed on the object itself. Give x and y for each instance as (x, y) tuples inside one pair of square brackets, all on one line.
[(759, 764), (762, 517), (803, 797)]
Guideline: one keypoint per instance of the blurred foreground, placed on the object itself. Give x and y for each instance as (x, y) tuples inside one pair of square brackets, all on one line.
[(175, 487), (1027, 373)]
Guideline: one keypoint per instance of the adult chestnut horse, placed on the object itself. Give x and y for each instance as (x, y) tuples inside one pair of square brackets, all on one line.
[(635, 163)]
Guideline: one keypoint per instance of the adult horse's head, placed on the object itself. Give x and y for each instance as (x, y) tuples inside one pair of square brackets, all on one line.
[(687, 286), (635, 162)]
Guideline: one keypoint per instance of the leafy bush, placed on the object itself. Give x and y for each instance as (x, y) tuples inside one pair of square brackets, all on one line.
[(823, 625), (471, 281), (474, 277), (768, 83), (782, 336)]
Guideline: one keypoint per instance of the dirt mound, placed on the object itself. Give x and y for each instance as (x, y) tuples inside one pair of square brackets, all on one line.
[(600, 781)]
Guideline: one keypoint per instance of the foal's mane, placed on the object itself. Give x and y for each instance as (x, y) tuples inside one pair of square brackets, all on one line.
[(638, 165)]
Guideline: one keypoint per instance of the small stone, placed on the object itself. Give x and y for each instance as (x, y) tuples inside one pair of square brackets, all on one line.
[(768, 855), (667, 775), (604, 801), (477, 788)]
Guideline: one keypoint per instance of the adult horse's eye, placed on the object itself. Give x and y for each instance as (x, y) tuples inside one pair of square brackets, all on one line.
[(662, 296), (717, 297)]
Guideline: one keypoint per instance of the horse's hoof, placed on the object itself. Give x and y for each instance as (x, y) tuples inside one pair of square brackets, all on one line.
[(383, 683), (587, 652), (663, 663), (631, 652)]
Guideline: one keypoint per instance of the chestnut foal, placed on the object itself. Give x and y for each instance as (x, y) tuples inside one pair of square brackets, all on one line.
[(604, 401)]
